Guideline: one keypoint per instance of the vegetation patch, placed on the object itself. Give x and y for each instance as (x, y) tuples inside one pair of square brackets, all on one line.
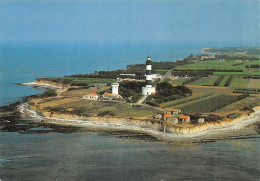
[(210, 103), (166, 92), (249, 91), (239, 82), (49, 93), (233, 116)]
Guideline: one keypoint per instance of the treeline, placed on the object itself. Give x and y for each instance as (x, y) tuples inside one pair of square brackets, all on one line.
[(253, 66), (251, 77), (248, 91)]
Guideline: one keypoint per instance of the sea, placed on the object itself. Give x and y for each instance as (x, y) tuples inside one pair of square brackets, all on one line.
[(35, 151)]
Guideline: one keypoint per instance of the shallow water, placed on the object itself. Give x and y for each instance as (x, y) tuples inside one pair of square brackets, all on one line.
[(33, 151)]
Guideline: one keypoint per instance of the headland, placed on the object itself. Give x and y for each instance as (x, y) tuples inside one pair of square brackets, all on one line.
[(200, 97)]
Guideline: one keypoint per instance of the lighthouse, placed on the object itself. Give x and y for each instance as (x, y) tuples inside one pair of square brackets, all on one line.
[(115, 88), (148, 89)]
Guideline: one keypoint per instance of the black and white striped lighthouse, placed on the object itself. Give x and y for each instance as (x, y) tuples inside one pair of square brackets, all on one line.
[(148, 72), (148, 89)]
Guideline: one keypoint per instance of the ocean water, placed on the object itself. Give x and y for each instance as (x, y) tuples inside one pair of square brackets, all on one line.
[(24, 62), (34, 151)]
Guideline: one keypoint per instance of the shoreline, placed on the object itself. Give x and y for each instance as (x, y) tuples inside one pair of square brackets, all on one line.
[(238, 127), (41, 85), (204, 52)]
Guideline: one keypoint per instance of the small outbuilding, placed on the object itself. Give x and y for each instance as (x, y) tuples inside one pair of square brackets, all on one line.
[(93, 96), (184, 118)]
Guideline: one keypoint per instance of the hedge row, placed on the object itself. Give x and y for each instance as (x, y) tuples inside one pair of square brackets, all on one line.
[(228, 81), (248, 91), (220, 78)]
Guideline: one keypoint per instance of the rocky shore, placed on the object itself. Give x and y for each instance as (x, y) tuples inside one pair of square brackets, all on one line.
[(225, 129)]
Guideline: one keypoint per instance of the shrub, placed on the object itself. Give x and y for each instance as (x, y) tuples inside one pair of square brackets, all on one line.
[(155, 104), (57, 109), (107, 111), (49, 93), (104, 113), (77, 88), (79, 84)]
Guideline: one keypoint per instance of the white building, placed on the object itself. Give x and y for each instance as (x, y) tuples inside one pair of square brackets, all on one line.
[(93, 96)]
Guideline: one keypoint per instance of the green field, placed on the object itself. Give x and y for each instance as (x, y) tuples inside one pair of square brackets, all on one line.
[(239, 82), (212, 65), (204, 81), (222, 83)]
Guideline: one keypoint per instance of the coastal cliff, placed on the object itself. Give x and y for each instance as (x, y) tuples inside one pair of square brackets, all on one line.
[(150, 126), (44, 81)]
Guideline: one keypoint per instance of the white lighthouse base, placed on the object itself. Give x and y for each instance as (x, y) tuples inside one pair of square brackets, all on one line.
[(148, 90)]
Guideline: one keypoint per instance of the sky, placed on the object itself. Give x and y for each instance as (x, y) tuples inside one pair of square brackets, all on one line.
[(169, 21)]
